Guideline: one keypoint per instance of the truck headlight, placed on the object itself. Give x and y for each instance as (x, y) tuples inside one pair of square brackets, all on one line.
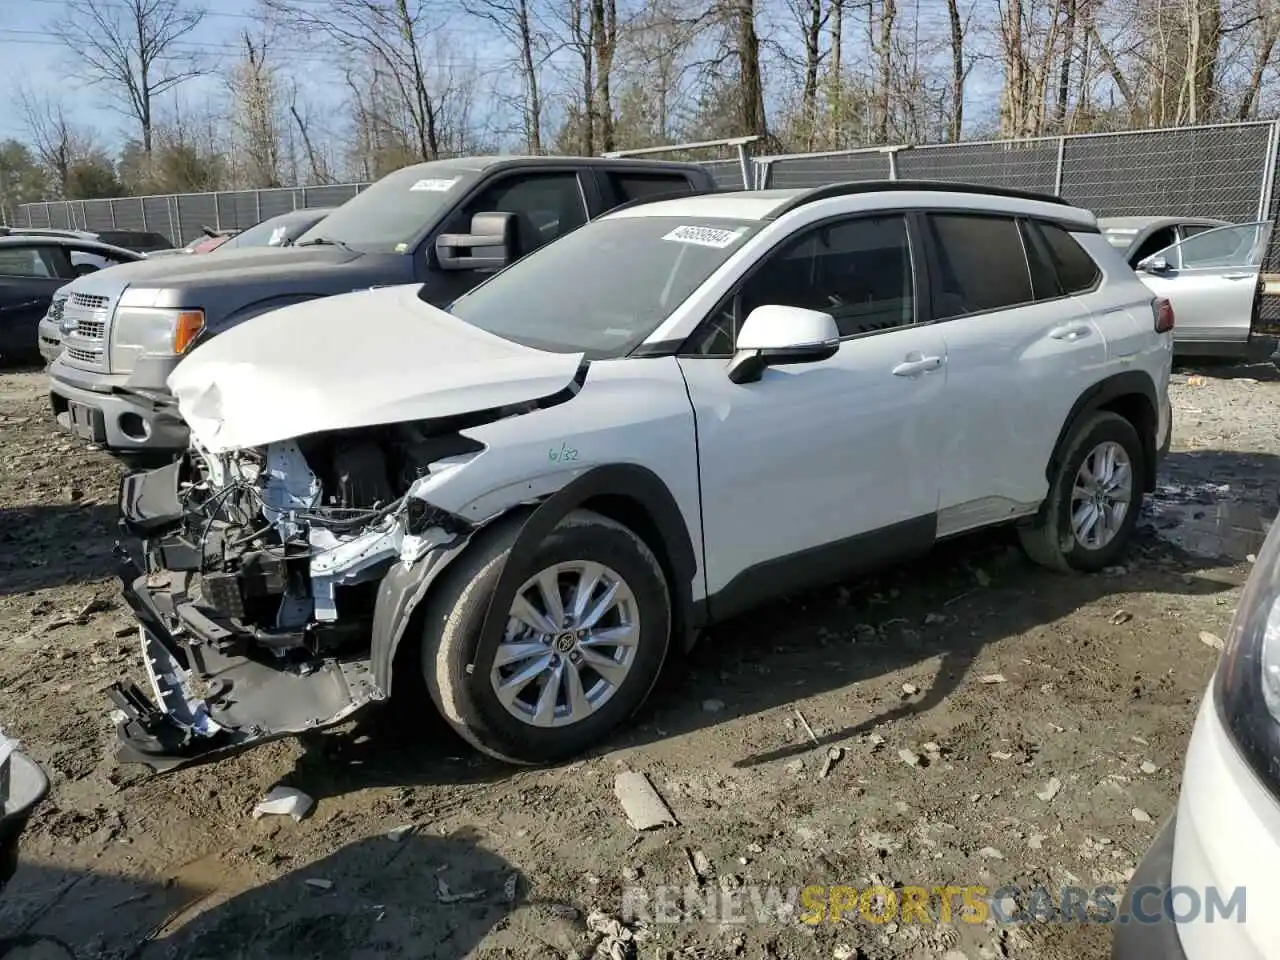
[(1248, 680), (154, 331)]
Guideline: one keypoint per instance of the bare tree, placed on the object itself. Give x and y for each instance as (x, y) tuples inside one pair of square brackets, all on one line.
[(318, 167), (604, 39), (514, 22), (256, 112), (57, 145), (392, 36), (959, 71), (132, 48)]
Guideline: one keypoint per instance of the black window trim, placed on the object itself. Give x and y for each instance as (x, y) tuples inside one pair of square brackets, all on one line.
[(1036, 223), (684, 348)]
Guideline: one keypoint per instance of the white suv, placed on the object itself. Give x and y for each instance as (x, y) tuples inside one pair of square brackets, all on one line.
[(683, 409)]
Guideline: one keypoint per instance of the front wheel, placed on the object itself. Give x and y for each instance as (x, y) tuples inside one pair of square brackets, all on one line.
[(586, 633), (1094, 498)]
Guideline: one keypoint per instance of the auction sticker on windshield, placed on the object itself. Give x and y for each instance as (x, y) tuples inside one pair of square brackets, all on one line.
[(434, 184), (705, 236)]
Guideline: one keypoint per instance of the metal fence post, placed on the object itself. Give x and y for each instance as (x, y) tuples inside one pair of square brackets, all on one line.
[(257, 206), (1269, 171), (1057, 173)]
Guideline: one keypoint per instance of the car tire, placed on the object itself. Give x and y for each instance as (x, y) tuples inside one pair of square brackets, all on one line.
[(1052, 539), (460, 665)]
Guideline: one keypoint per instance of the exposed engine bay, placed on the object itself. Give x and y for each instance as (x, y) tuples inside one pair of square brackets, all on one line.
[(293, 552), (262, 568)]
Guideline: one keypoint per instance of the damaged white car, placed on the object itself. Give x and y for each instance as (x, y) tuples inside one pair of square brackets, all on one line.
[(680, 410)]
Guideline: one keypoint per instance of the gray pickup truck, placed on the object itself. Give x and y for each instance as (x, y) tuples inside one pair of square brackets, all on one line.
[(446, 225)]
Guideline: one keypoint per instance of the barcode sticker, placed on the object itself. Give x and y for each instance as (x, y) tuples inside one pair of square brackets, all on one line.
[(434, 184), (705, 236)]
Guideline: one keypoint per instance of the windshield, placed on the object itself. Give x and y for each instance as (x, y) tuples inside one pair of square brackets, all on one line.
[(389, 214), (637, 271), (273, 232)]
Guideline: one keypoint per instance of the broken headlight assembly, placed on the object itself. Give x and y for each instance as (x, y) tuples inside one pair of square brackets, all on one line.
[(1247, 687), (286, 551)]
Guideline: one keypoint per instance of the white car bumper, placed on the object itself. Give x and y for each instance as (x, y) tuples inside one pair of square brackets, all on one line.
[(1226, 839)]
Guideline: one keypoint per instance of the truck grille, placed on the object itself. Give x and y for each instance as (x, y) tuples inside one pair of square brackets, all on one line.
[(90, 302), (87, 314)]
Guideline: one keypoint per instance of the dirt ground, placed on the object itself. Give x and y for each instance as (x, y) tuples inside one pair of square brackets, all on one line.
[(992, 723)]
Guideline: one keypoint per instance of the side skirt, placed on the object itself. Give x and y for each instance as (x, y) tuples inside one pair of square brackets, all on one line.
[(822, 566)]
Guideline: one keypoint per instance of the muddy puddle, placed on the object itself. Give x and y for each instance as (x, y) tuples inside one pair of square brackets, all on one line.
[(1209, 519)]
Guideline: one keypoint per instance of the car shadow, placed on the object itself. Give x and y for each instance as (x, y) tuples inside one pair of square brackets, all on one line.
[(967, 594), (419, 896), (48, 545)]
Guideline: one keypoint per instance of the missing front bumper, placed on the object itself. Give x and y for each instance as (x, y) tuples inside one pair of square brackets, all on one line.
[(244, 701)]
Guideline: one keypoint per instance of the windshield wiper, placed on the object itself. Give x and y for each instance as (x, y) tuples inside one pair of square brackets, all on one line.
[(323, 242)]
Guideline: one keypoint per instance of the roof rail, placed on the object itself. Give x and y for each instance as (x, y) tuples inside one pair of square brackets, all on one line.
[(852, 188)]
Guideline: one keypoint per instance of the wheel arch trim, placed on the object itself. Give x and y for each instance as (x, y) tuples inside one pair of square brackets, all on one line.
[(1100, 395), (403, 589)]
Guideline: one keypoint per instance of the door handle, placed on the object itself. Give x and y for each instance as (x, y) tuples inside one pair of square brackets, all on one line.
[(1238, 276), (1072, 331), (915, 363)]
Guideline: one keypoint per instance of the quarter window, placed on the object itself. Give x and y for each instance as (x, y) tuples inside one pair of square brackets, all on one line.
[(1075, 269), (633, 186), (981, 264)]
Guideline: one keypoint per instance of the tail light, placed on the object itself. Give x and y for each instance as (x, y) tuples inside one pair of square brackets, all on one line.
[(1163, 311)]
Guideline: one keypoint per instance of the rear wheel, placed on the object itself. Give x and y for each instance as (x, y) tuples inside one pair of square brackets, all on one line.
[(586, 632), (1094, 498)]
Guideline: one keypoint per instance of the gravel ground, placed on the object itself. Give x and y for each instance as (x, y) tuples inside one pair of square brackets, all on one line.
[(968, 720)]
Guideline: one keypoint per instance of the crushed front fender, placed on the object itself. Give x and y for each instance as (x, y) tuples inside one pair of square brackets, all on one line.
[(205, 703)]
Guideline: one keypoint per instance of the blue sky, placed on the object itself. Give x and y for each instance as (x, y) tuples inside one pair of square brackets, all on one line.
[(31, 55)]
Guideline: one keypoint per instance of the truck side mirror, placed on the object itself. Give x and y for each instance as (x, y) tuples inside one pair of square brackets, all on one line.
[(489, 246)]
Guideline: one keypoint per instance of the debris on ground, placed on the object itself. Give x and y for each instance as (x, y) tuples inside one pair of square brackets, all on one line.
[(910, 758), (1211, 640), (319, 883), (1050, 790), (1141, 815), (396, 834), (833, 755), (283, 802), (446, 896), (644, 808), (807, 729), (992, 678)]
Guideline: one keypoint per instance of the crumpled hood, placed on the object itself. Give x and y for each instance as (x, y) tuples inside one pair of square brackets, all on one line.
[(359, 359)]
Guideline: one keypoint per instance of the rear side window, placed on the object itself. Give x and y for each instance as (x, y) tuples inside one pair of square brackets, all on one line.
[(636, 186), (1074, 269), (981, 264)]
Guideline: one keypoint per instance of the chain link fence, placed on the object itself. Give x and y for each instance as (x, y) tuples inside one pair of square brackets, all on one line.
[(182, 217), (1222, 170)]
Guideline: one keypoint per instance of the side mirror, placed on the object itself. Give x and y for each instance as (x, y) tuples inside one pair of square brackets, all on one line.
[(489, 246), (775, 334), (1156, 264)]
